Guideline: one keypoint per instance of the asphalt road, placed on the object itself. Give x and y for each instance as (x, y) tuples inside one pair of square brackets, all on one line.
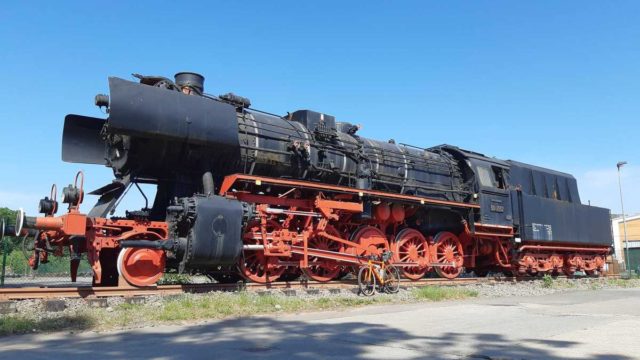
[(582, 325)]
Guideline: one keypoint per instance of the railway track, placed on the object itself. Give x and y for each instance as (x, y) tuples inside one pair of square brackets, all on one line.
[(129, 291)]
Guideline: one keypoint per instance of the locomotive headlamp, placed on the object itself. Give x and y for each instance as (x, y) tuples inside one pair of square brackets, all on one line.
[(71, 195), (47, 206)]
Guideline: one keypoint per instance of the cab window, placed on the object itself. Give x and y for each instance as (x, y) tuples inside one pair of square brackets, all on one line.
[(492, 177), (498, 176), (486, 179)]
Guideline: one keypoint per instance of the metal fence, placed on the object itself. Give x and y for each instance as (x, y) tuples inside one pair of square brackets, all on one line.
[(16, 272)]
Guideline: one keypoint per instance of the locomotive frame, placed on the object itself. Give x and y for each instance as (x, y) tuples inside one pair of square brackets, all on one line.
[(273, 248)]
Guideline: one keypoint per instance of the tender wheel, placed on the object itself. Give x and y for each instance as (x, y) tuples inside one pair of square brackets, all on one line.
[(254, 265), (392, 280), (321, 269), (449, 252), (592, 273), (569, 271), (411, 246), (366, 281)]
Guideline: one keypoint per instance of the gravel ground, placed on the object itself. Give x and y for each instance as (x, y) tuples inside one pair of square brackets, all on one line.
[(539, 287), (34, 309)]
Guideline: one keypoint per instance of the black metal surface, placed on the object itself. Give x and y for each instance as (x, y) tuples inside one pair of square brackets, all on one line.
[(550, 220), (109, 196), (147, 244), (156, 113), (314, 120), (216, 235), (190, 79), (81, 140), (537, 181)]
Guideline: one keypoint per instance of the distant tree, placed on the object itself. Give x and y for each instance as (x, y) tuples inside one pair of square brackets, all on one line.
[(10, 218), (8, 214)]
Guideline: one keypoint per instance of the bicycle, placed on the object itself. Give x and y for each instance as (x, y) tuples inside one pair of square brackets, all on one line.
[(377, 273)]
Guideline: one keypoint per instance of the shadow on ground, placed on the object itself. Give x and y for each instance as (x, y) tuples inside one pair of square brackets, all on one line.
[(269, 338)]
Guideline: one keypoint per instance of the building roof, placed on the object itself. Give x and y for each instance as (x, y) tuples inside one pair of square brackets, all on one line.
[(627, 219)]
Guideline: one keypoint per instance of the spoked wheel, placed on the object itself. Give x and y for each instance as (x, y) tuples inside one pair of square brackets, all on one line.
[(254, 265), (594, 266), (373, 239), (411, 246), (449, 253), (321, 269), (572, 264), (392, 280), (366, 281)]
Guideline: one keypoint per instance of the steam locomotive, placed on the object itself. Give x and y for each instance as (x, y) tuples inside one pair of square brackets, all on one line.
[(243, 193)]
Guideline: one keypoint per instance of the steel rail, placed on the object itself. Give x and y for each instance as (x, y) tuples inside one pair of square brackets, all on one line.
[(89, 292)]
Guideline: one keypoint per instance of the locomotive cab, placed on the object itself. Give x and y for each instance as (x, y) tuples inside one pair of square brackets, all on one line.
[(493, 190)]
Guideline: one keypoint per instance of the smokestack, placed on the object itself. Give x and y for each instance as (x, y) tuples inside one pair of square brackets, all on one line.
[(191, 80)]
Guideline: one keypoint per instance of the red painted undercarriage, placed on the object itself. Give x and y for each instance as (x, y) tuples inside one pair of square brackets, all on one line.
[(314, 229)]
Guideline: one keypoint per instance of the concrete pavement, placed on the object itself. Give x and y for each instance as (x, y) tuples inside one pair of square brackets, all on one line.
[(582, 325)]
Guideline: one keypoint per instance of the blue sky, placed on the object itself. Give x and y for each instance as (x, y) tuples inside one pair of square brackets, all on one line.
[(550, 83)]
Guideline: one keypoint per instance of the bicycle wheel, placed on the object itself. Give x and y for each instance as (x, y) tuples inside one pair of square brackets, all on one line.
[(392, 280), (366, 281)]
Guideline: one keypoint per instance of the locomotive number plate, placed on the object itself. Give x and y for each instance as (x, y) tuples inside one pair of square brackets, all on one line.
[(497, 206)]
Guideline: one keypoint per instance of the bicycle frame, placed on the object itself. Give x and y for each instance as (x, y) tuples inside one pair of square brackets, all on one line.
[(376, 268)]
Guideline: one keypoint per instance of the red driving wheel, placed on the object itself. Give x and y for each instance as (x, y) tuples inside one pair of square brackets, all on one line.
[(321, 269), (448, 253), (373, 240), (141, 267), (411, 246), (254, 265)]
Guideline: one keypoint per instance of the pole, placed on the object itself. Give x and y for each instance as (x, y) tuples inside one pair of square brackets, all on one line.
[(4, 260), (627, 261)]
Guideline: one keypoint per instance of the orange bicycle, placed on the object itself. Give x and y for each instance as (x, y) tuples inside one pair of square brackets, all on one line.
[(377, 274)]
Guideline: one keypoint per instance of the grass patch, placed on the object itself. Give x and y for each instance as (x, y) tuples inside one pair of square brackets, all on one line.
[(174, 279), (547, 281), (440, 293)]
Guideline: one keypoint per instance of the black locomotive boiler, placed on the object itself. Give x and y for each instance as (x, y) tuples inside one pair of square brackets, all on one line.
[(245, 193)]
